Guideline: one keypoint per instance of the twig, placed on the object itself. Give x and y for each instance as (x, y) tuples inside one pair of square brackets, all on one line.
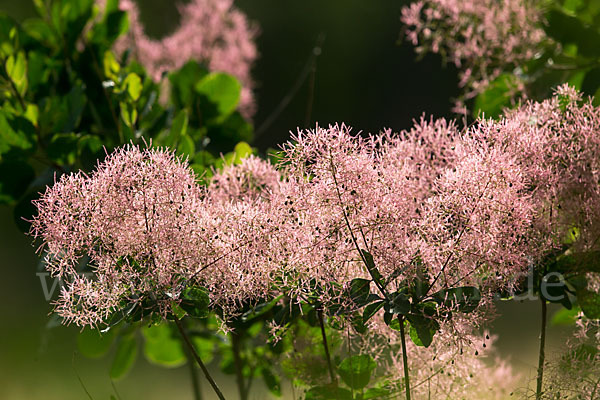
[(187, 341), (315, 52)]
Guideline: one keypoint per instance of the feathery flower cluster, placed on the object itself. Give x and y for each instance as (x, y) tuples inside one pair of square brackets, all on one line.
[(482, 38), (557, 143), (212, 32), (252, 179), (575, 373), (442, 371), (454, 208), (146, 230), (430, 194)]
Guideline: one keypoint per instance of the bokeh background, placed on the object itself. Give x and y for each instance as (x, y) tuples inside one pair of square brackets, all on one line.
[(363, 76)]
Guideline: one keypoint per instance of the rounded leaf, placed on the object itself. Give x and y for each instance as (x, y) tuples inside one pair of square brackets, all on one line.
[(124, 357), (356, 371), (94, 344), (221, 89)]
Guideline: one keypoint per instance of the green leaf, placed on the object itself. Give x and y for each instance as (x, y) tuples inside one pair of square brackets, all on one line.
[(15, 177), (195, 301), (388, 318), (565, 317), (32, 114), (356, 320), (9, 34), (16, 132), (571, 30), (376, 393), (414, 336), (371, 310), (393, 323), (359, 291), (133, 86), (272, 381), (128, 113), (260, 309), (111, 5), (464, 298), (89, 150), (356, 371), (589, 302), (399, 303), (111, 66), (176, 312), (93, 344), (582, 262), (232, 130), (178, 128), (221, 89), (124, 357), (63, 148), (39, 30), (205, 347), (73, 103), (16, 68), (497, 96), (161, 348), (183, 82), (422, 329), (186, 146), (241, 150), (328, 392), (116, 24), (370, 264), (591, 83)]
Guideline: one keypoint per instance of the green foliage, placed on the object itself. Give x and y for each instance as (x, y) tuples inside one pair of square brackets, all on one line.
[(65, 97), (565, 317), (161, 347), (412, 302), (195, 302), (94, 344), (497, 96), (125, 357), (356, 371), (571, 54), (328, 392), (222, 90)]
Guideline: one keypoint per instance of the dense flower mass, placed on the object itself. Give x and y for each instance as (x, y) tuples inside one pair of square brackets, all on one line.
[(482, 38), (557, 143), (146, 230), (212, 32), (419, 202), (435, 207), (446, 372)]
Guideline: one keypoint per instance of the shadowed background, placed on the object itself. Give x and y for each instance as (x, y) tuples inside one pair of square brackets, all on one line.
[(362, 77)]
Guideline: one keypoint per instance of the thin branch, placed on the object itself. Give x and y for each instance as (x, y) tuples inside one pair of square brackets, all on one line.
[(352, 236), (187, 341), (404, 358), (326, 347), (315, 52), (541, 356)]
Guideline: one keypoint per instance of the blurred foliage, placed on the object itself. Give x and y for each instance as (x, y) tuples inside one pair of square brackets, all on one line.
[(67, 101), (571, 54)]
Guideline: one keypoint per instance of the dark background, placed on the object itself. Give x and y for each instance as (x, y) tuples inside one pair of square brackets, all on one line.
[(365, 76)]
